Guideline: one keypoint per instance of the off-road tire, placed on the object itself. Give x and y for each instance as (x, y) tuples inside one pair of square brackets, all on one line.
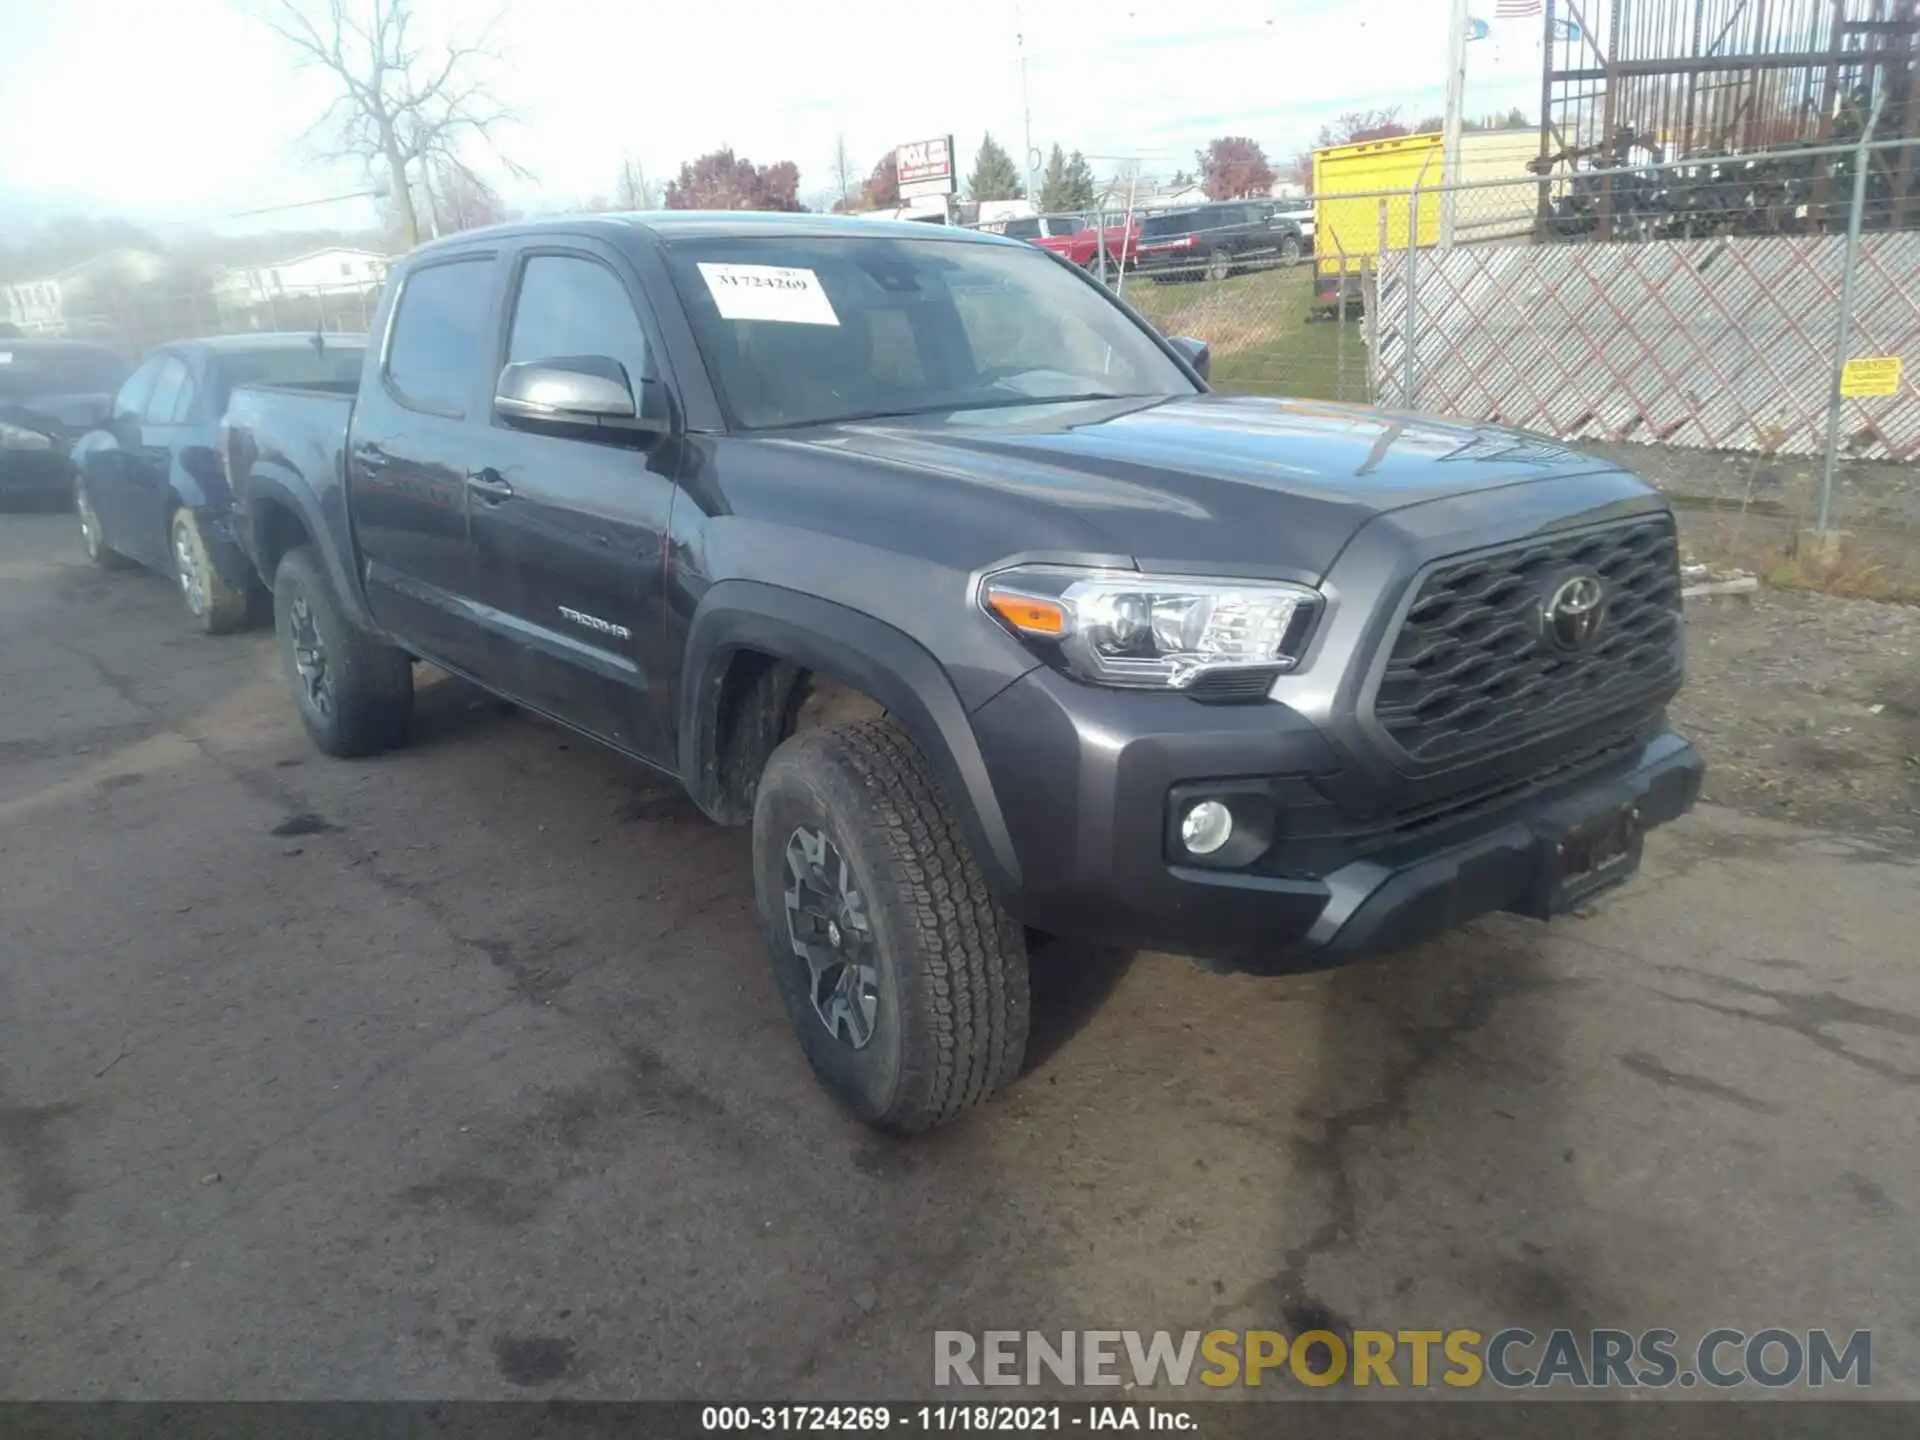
[(222, 608), (953, 1000), (369, 683)]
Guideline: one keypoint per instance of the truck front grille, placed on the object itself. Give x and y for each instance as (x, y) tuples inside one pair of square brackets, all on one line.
[(1470, 672)]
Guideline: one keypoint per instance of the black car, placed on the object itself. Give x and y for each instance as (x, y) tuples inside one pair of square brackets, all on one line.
[(50, 391), (149, 484), (1212, 241), (929, 560)]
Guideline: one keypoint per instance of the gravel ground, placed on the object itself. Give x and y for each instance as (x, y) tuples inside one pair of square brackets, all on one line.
[(1808, 709)]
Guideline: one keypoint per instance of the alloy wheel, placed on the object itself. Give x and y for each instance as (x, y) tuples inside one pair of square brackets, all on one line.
[(831, 934), (89, 525), (310, 656), (186, 564)]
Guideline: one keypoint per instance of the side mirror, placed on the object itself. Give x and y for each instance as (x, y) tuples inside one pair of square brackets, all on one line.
[(587, 391), (1196, 353)]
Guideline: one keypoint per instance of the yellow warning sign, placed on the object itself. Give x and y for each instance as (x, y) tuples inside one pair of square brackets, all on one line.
[(1870, 375)]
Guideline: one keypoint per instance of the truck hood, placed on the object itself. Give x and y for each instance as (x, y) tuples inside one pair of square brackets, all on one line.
[(1265, 487)]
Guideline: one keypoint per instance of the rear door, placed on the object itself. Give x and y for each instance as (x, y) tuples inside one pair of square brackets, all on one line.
[(414, 439), (569, 530)]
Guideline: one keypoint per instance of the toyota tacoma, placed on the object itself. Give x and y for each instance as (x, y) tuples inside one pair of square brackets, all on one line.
[(919, 553)]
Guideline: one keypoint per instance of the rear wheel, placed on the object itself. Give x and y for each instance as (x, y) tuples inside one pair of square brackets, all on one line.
[(91, 535), (905, 981), (217, 607), (354, 693), (1219, 265)]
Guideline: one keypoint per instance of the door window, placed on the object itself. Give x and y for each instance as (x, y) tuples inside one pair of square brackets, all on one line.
[(132, 399), (172, 393), (570, 306), (438, 335)]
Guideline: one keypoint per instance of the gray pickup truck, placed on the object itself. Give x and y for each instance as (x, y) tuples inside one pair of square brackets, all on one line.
[(920, 553)]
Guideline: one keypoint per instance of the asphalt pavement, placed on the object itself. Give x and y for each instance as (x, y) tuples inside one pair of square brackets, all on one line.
[(460, 1072)]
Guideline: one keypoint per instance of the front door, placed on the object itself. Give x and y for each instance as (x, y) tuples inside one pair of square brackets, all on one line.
[(411, 445), (569, 529)]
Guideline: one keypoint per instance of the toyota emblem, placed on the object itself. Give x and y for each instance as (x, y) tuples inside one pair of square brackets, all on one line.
[(1571, 615)]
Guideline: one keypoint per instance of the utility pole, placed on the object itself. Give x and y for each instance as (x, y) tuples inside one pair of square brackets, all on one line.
[(1026, 105), (1450, 128)]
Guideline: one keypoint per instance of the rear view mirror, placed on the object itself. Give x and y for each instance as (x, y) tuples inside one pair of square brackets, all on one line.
[(1196, 353), (569, 390)]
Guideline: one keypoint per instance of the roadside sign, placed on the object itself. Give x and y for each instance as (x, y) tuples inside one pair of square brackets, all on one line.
[(926, 167), (1870, 375)]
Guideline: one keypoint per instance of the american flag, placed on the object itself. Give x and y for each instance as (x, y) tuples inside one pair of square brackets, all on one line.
[(1515, 9)]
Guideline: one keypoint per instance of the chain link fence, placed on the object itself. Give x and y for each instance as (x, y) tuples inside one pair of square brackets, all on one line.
[(1693, 321)]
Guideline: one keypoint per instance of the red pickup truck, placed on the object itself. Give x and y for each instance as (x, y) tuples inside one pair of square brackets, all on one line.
[(1076, 237)]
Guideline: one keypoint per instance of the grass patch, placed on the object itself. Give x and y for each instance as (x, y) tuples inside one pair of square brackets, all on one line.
[(1258, 328)]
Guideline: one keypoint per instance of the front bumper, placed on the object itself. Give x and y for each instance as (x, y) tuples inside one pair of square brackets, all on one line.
[(1085, 776)]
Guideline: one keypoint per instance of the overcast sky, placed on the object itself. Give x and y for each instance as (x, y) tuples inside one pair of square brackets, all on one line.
[(189, 110)]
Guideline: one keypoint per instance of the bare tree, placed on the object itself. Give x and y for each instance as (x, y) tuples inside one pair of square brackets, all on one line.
[(459, 200), (846, 175), (398, 104), (633, 190)]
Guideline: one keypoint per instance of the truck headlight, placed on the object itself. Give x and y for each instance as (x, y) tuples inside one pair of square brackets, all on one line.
[(18, 437), (1153, 632)]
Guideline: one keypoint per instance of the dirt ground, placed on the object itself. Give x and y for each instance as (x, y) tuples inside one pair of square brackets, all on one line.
[(460, 1072), (1809, 709)]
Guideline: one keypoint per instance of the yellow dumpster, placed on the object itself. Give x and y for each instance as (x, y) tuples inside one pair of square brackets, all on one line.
[(1346, 231)]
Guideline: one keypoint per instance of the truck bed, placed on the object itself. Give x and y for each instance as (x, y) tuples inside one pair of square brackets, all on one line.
[(285, 441)]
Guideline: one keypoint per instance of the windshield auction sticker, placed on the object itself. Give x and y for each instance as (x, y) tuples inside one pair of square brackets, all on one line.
[(768, 292)]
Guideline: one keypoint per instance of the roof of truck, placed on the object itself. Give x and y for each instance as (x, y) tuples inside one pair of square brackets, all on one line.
[(727, 224)]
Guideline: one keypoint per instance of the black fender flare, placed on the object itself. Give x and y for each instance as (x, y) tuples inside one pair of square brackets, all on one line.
[(266, 486), (858, 650)]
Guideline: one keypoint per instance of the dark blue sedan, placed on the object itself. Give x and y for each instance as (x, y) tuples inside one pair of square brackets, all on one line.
[(150, 486)]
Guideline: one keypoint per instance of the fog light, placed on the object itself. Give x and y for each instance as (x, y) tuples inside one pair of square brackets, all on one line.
[(1206, 827)]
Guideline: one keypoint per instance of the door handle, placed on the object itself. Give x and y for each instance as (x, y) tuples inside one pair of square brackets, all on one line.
[(490, 485)]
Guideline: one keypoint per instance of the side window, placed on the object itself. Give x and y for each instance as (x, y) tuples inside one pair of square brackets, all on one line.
[(1023, 228), (132, 399), (172, 393), (438, 335), (569, 305)]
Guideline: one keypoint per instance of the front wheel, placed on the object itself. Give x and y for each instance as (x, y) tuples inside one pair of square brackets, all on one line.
[(905, 980), (1290, 250), (1219, 265), (217, 607), (354, 693)]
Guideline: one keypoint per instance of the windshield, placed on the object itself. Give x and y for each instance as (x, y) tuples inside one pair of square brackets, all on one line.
[(1178, 223), (28, 371), (805, 331), (337, 364)]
